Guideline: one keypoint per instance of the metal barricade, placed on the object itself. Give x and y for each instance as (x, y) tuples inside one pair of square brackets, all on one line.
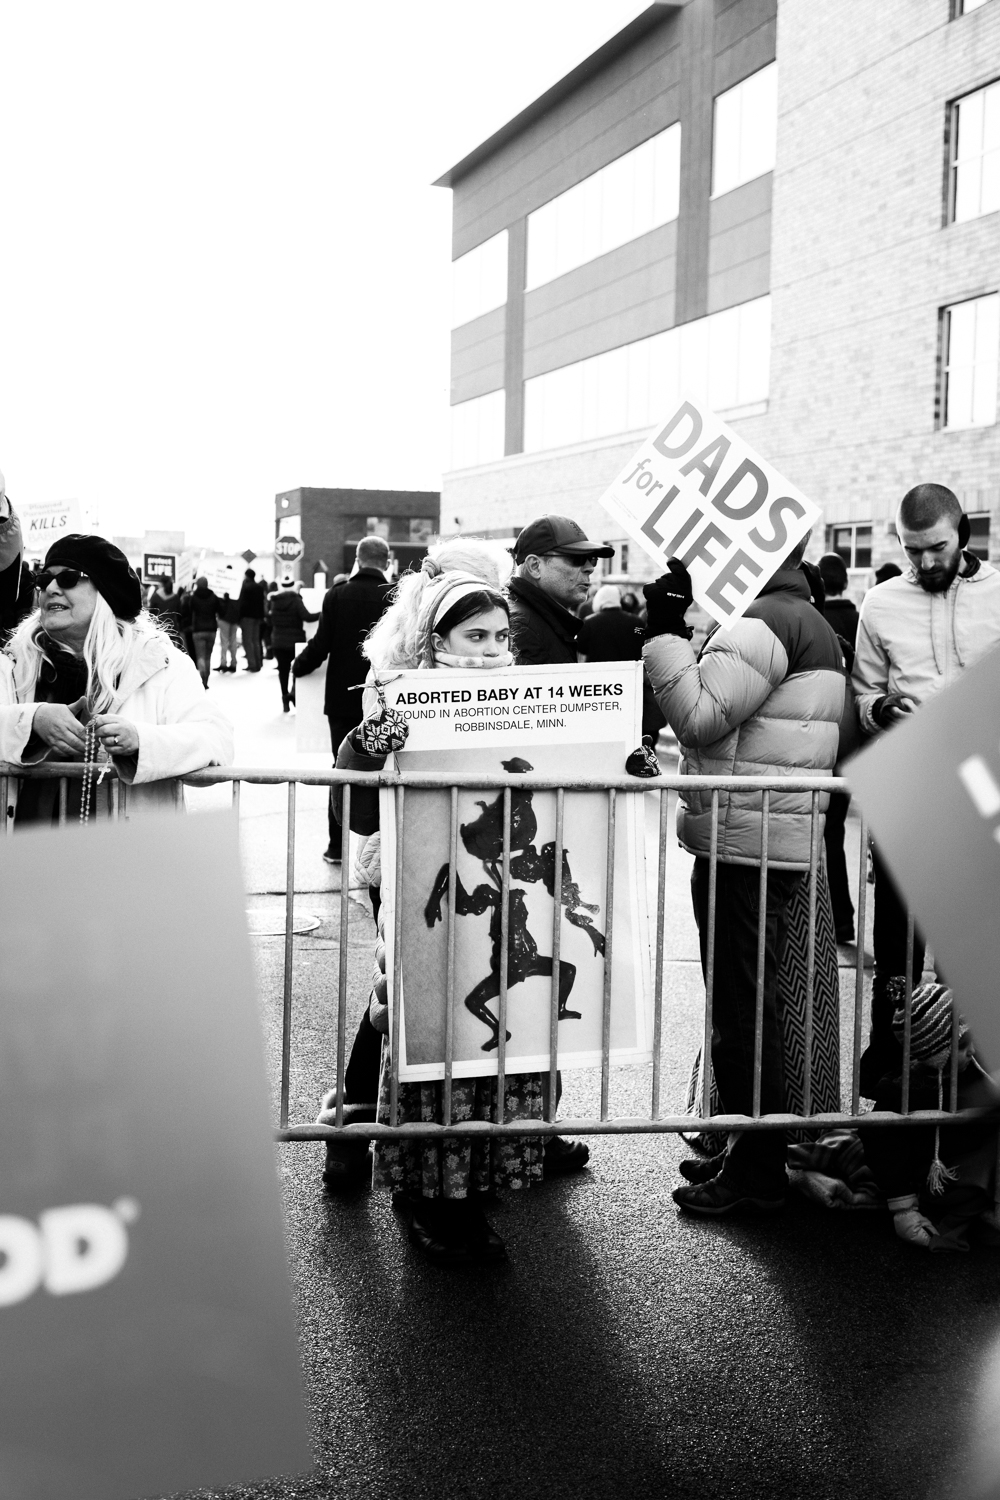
[(656, 1122)]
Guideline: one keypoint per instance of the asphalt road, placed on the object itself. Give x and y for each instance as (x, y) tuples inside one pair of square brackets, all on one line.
[(622, 1350)]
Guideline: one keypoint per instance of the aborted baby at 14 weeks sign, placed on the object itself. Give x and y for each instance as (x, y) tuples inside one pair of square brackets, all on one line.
[(523, 722), (696, 491)]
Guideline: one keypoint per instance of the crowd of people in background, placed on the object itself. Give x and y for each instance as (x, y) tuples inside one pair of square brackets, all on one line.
[(95, 671)]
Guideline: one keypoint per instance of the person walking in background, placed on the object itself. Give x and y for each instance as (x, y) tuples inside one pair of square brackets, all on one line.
[(843, 616), (349, 611), (265, 629), (205, 606), (250, 613), (611, 634), (917, 633), (288, 616), (765, 697), (165, 607), (608, 633), (885, 572), (553, 563), (228, 619)]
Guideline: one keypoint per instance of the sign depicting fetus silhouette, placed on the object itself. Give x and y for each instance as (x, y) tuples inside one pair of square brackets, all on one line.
[(483, 839)]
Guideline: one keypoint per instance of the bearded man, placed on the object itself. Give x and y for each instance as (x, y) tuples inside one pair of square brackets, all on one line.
[(917, 633)]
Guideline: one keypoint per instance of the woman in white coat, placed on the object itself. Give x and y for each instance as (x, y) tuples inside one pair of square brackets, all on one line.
[(89, 676)]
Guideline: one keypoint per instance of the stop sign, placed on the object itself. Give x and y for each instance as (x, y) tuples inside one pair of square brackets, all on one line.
[(288, 548)]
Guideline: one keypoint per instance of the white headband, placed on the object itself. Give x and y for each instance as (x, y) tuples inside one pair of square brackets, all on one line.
[(452, 587)]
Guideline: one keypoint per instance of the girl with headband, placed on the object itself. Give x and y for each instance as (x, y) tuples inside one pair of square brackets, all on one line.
[(450, 615)]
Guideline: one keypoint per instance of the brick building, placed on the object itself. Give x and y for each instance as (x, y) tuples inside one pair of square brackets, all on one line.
[(790, 207), (330, 523)]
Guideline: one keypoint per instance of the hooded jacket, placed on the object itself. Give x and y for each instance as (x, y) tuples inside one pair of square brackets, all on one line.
[(542, 632), (914, 642), (765, 698), (286, 610), (160, 691)]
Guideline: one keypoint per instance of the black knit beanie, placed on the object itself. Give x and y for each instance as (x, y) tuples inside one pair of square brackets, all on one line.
[(105, 565)]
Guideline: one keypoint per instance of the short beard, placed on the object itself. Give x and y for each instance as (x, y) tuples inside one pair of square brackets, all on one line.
[(940, 583)]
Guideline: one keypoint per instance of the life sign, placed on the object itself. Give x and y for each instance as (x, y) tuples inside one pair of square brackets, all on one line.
[(931, 790), (157, 565), (696, 491)]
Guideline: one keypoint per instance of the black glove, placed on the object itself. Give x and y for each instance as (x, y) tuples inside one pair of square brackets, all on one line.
[(667, 601), (643, 761)]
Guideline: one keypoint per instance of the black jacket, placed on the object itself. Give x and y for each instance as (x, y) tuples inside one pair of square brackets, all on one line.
[(205, 607), (542, 632), (287, 612), (611, 635), (251, 601), (349, 611)]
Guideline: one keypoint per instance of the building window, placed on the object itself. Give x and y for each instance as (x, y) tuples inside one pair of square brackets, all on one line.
[(628, 197), (853, 543), (971, 348), (479, 280), (477, 431), (723, 359), (745, 131), (979, 536), (975, 154)]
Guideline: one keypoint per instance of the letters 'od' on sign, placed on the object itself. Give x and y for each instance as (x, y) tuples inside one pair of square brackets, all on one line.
[(696, 491)]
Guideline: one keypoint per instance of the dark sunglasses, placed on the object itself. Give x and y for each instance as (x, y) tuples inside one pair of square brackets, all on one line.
[(580, 560), (67, 579)]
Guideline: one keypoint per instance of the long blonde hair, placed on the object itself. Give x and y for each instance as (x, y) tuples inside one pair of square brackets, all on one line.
[(400, 639), (106, 651)]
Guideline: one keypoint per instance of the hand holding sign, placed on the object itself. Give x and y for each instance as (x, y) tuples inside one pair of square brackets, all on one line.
[(667, 602), (696, 491)]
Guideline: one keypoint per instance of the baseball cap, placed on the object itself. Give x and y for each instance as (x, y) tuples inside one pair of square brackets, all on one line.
[(557, 534)]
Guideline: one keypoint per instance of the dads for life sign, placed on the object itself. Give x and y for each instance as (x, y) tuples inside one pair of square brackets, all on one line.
[(696, 491)]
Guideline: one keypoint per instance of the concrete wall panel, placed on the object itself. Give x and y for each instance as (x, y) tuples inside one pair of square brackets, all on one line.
[(624, 295), (477, 356), (739, 249), (634, 98)]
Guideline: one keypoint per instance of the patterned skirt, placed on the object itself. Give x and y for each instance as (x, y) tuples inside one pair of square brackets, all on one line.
[(792, 999), (454, 1168)]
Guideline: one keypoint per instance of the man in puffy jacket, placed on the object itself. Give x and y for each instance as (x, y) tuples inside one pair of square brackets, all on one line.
[(764, 698), (918, 632), (553, 563)]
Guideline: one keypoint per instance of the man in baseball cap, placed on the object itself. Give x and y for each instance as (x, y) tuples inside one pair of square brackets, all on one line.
[(554, 559)]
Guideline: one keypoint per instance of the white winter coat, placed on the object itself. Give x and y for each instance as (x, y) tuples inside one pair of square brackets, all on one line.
[(180, 729)]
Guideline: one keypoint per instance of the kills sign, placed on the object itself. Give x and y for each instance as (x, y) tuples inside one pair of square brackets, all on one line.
[(45, 521), (696, 491), (931, 790)]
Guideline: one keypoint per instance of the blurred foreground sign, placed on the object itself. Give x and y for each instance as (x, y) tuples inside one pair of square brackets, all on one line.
[(931, 791), (146, 1333), (697, 491)]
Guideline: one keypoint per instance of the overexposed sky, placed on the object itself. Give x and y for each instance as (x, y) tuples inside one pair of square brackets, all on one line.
[(223, 270)]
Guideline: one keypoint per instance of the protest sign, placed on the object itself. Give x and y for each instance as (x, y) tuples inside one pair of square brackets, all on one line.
[(157, 565), (696, 491), (45, 521), (147, 1338), (551, 721), (931, 790)]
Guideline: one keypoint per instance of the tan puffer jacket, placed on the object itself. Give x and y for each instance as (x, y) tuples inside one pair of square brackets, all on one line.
[(765, 698)]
